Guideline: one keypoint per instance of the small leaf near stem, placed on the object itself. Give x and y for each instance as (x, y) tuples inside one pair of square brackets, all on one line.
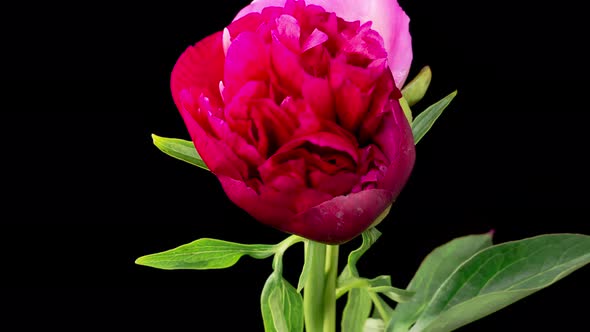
[(281, 304), (357, 310)]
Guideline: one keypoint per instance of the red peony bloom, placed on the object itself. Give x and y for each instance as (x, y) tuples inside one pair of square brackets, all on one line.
[(295, 109)]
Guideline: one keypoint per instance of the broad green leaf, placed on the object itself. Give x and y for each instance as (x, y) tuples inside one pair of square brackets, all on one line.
[(500, 275), (357, 310), (424, 121), (374, 325), (204, 254), (370, 236), (179, 149), (433, 271), (281, 305), (415, 90)]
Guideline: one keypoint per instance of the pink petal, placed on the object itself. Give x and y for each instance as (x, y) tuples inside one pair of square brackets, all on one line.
[(315, 38), (286, 66), (288, 32), (396, 131), (200, 67), (388, 19), (342, 218), (317, 93), (263, 210), (216, 154), (247, 60)]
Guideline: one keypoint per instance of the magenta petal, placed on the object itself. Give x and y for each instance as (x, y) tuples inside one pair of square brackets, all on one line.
[(200, 67), (388, 18), (265, 211), (396, 130), (216, 154), (317, 93), (342, 218), (288, 32), (247, 60), (315, 38)]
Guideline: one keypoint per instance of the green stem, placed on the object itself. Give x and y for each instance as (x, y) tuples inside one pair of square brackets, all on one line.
[(330, 289), (319, 300), (313, 300)]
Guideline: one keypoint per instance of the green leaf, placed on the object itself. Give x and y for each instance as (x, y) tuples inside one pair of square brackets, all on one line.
[(433, 271), (383, 310), (370, 236), (179, 149), (501, 275), (306, 267), (357, 310), (424, 121), (415, 90), (282, 305), (374, 325), (395, 294), (204, 254)]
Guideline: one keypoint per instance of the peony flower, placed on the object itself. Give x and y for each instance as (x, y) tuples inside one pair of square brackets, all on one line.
[(294, 107)]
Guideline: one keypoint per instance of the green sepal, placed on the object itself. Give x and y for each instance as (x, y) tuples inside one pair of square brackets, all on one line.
[(415, 90)]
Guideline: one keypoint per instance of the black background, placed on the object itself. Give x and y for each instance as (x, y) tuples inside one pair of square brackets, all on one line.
[(85, 191)]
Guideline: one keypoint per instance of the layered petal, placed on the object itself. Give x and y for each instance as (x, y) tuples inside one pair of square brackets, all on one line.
[(295, 109), (342, 218), (388, 18), (200, 67)]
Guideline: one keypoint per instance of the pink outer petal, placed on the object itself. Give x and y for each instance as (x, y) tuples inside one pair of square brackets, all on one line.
[(334, 222), (388, 19), (342, 218), (246, 198), (217, 155), (200, 67), (396, 129)]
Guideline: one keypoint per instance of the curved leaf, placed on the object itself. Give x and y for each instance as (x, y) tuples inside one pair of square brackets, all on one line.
[(179, 149), (204, 254), (500, 275), (282, 305), (357, 310)]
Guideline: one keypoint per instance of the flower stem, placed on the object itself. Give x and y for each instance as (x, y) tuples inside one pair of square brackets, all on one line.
[(319, 300), (330, 290)]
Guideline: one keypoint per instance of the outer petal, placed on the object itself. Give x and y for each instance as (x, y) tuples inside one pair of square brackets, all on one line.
[(341, 218), (200, 67), (388, 19), (396, 130), (248, 199)]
